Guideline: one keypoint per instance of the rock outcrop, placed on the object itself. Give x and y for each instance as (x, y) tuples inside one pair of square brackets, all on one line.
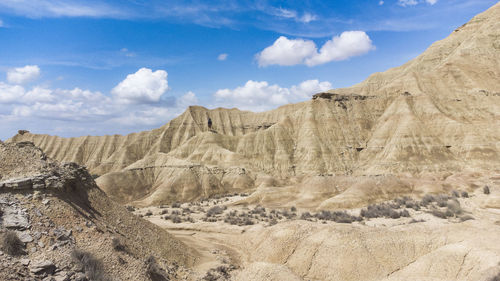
[(57, 209)]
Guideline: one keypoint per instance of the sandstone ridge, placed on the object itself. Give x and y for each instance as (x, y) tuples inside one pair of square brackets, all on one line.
[(439, 112)]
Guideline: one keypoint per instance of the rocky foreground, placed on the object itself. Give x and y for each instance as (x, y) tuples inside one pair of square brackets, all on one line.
[(56, 224)]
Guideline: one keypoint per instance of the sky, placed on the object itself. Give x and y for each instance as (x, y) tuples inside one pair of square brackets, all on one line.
[(94, 67)]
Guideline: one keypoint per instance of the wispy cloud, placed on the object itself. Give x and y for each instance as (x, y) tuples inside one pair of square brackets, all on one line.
[(62, 8), (222, 57), (313, 18)]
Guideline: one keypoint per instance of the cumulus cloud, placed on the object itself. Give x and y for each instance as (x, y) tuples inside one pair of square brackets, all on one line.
[(136, 104), (144, 86), (287, 52), (348, 44), (10, 93), (260, 95), (22, 75), (222, 57)]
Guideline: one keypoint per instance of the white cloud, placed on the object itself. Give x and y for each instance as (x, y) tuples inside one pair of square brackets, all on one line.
[(432, 2), (144, 86), (260, 96), (381, 2), (348, 44), (10, 93), (186, 100), (222, 57), (136, 105), (22, 75), (286, 51), (1, 23)]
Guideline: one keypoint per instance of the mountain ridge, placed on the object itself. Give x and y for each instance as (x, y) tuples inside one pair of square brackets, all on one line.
[(437, 113)]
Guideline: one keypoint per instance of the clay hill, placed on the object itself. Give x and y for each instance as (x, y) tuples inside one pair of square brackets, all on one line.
[(437, 114), (56, 224)]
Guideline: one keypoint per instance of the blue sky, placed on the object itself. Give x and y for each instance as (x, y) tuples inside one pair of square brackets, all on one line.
[(74, 67)]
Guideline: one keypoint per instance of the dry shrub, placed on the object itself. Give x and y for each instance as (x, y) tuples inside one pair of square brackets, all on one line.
[(93, 267), (117, 245), (305, 216), (383, 211), (454, 207), (438, 213), (216, 210), (12, 245), (465, 194)]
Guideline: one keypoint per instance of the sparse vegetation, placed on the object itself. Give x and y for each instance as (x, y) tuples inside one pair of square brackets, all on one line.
[(130, 208), (93, 267), (219, 273), (216, 210), (305, 216), (148, 213), (12, 245), (465, 194), (337, 216), (176, 205), (383, 210)]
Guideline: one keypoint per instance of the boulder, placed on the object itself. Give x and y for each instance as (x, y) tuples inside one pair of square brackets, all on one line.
[(43, 266)]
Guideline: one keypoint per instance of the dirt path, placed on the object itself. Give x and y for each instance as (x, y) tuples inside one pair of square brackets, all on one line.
[(214, 248)]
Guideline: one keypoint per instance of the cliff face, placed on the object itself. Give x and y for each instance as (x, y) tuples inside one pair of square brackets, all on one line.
[(438, 112)]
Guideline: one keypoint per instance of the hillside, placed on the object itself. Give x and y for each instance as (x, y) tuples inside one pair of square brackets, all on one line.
[(438, 113), (57, 209)]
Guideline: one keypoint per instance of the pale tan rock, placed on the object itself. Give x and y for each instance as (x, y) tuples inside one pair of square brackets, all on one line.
[(437, 113)]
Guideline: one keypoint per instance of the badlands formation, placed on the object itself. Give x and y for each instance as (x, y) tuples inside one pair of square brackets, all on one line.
[(395, 178)]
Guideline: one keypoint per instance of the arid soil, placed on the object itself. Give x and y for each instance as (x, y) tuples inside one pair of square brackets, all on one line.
[(429, 238)]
